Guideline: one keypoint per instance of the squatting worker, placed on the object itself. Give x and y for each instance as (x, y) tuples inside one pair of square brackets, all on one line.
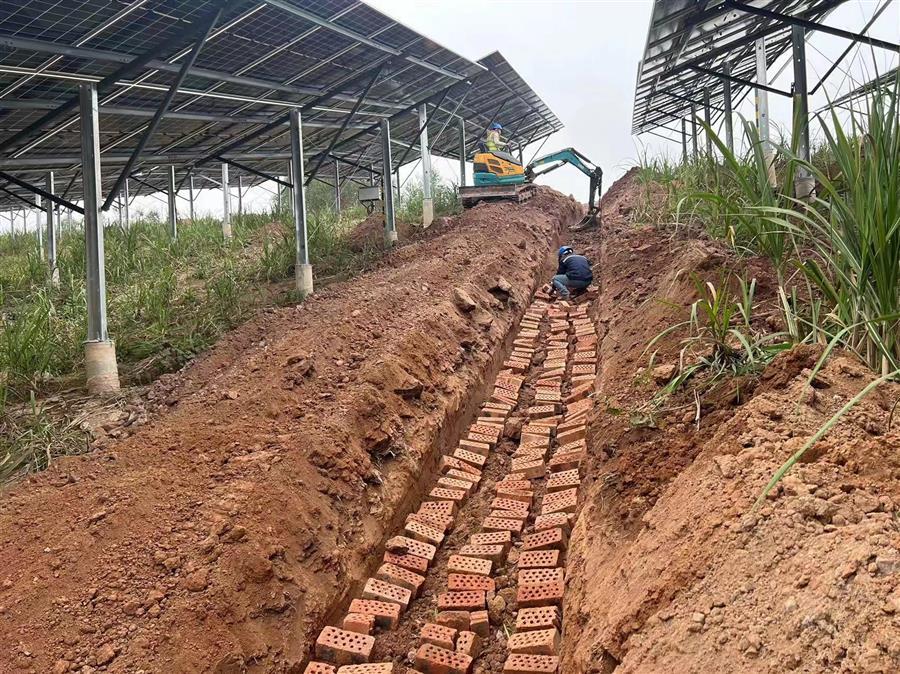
[(574, 272), (492, 141)]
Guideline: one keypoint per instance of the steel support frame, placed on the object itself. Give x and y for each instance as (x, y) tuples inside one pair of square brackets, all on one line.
[(190, 196), (684, 142), (425, 152), (52, 231), (707, 117), (390, 223), (462, 152), (172, 212), (729, 115), (696, 149), (728, 77), (762, 109), (337, 187), (226, 203), (303, 275), (43, 193), (804, 184)]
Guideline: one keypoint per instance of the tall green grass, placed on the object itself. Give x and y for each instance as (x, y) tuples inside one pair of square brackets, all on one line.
[(443, 194)]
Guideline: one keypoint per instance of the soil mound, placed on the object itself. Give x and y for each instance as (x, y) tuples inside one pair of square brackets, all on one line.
[(670, 568), (218, 537)]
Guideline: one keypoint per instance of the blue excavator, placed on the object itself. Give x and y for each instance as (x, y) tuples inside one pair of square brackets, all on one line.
[(499, 177)]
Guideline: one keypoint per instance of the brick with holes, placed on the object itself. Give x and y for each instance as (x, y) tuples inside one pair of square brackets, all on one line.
[(440, 522), (538, 618), (361, 623), (480, 623), (479, 439), (566, 479), (442, 636), (554, 520), (437, 508), (471, 458), (320, 668), (424, 533), (540, 595), (536, 559), (516, 493), (539, 576), (459, 620), (444, 494), (397, 575), (535, 642), (502, 524), (519, 663), (368, 668), (464, 582), (402, 545), (447, 482), (466, 476), (565, 501), (482, 447), (491, 538), (548, 539), (571, 435), (494, 553), (541, 411), (463, 564), (565, 461), (342, 647), (385, 613), (434, 660), (449, 463), (509, 504), (469, 643), (532, 469), (379, 590), (509, 483), (509, 515), (467, 600)]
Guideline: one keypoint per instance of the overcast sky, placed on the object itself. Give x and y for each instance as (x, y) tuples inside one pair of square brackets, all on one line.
[(581, 57)]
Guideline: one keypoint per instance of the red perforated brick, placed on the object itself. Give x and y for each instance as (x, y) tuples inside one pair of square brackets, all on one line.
[(482, 447), (434, 660), (342, 647), (491, 538), (381, 591), (539, 595), (562, 461), (449, 463), (478, 439), (319, 668), (535, 642), (438, 508), (423, 532), (411, 562), (409, 546), (469, 643), (515, 494), (441, 636), (466, 476), (566, 479), (518, 663), (509, 504), (536, 559), (489, 430), (560, 502), (541, 411), (465, 582), (552, 521), (584, 369), (509, 515), (537, 618), (469, 600), (443, 494), (459, 620), (386, 614), (448, 482), (440, 522), (530, 452), (462, 564), (515, 485), (502, 524), (495, 553), (397, 575), (548, 539), (530, 468), (538, 576), (480, 623), (361, 623), (472, 458), (571, 435), (368, 668)]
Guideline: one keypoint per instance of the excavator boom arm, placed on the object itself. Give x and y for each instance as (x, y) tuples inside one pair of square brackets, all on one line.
[(569, 155)]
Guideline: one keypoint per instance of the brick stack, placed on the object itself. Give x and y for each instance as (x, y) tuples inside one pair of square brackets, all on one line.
[(564, 385), (451, 643)]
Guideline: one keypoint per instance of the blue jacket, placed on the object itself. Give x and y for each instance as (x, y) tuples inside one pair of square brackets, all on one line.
[(576, 267)]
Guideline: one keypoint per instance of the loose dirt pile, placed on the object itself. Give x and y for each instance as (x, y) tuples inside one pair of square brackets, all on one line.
[(222, 535), (670, 569)]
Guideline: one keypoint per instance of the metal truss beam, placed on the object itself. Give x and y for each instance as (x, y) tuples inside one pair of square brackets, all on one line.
[(253, 171), (43, 193), (741, 81)]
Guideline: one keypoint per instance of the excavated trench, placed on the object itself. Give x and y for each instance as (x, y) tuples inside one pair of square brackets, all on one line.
[(474, 579)]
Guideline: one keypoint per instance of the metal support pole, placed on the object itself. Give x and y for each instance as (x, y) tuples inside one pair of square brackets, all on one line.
[(804, 185), (51, 232), (100, 352), (707, 117), (371, 175), (119, 212), (390, 224), (425, 151), (191, 195), (278, 190), (397, 184), (303, 274), (694, 130), (762, 109), (337, 187), (38, 228), (226, 204), (684, 143), (240, 196), (290, 192), (127, 205), (729, 122), (462, 152), (172, 211)]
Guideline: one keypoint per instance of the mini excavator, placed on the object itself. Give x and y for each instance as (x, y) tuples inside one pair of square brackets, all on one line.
[(499, 177)]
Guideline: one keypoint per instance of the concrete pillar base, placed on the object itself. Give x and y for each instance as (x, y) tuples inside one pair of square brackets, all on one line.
[(390, 237), (226, 231), (805, 187), (427, 212), (100, 367), (304, 278)]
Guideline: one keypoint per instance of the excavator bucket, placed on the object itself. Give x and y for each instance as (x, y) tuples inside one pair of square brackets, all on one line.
[(589, 221)]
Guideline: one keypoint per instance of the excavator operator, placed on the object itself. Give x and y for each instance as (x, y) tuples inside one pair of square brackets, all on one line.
[(492, 140)]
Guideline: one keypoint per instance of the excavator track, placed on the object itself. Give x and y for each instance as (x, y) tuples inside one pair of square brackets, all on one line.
[(470, 196)]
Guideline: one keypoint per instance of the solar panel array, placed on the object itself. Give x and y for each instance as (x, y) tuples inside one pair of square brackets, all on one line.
[(260, 59), (690, 40)]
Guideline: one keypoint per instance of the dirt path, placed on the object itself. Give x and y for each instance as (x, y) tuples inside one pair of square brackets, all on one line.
[(221, 536), (474, 582)]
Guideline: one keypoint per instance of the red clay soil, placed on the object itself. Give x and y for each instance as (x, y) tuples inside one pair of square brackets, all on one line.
[(221, 536), (670, 570)]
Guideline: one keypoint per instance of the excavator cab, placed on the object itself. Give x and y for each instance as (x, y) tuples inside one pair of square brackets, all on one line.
[(495, 167)]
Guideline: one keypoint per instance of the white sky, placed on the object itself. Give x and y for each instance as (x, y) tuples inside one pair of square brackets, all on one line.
[(581, 57)]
